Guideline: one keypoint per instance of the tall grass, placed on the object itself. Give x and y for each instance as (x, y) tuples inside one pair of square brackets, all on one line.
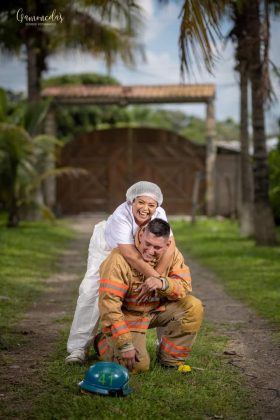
[(248, 272), (27, 255)]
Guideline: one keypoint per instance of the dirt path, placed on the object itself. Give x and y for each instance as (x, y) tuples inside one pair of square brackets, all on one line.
[(41, 325), (251, 346)]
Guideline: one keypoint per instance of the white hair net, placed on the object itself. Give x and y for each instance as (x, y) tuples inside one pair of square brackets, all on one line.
[(144, 188)]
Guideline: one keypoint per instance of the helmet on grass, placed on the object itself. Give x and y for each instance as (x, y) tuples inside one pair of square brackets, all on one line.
[(106, 378)]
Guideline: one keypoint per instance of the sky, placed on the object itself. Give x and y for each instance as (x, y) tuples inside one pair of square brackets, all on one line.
[(160, 38)]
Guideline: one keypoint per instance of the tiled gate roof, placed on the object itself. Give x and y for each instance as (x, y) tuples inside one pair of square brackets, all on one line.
[(117, 94)]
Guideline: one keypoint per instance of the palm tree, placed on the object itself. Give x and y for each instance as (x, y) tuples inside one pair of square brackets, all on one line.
[(239, 37), (265, 232), (17, 37), (24, 160), (86, 24), (15, 166), (200, 23)]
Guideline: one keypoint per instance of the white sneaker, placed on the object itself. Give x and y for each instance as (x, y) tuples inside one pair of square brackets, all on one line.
[(77, 356)]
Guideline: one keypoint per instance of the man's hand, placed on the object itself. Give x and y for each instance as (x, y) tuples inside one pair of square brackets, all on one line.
[(149, 286), (129, 358)]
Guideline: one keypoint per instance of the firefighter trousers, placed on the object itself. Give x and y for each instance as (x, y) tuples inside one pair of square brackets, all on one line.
[(180, 323)]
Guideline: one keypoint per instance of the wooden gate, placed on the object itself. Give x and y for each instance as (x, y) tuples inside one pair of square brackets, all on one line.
[(116, 158)]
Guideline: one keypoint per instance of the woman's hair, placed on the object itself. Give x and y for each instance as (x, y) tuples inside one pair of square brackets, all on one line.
[(145, 188)]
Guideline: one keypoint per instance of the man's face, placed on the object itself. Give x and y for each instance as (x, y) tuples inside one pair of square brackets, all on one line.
[(152, 247), (143, 208)]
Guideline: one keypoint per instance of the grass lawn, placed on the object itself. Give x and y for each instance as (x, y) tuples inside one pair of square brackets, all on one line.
[(214, 389), (27, 254), (248, 272)]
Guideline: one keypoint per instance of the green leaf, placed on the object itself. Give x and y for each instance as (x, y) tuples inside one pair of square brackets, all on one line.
[(35, 114)]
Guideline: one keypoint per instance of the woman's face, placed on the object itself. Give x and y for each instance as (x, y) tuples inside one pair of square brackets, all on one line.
[(143, 208)]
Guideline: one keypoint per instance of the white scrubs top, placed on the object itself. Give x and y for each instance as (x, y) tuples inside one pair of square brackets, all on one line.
[(121, 227)]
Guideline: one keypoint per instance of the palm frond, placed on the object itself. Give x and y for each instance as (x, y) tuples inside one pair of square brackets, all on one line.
[(36, 182), (90, 34), (65, 171), (35, 114), (199, 31)]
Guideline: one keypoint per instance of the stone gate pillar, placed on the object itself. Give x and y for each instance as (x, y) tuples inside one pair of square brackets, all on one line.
[(211, 151)]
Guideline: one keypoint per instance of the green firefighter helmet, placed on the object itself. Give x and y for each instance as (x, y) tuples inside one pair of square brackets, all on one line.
[(106, 378)]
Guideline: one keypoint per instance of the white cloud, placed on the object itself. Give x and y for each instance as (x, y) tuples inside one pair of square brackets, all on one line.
[(74, 62), (13, 74), (159, 68), (148, 8), (159, 20)]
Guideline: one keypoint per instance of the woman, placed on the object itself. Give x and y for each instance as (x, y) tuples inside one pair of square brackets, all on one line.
[(143, 201)]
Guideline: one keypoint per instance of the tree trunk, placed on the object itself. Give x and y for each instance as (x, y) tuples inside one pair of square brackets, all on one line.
[(33, 72), (265, 232), (49, 184), (211, 152), (13, 213), (34, 87), (246, 216)]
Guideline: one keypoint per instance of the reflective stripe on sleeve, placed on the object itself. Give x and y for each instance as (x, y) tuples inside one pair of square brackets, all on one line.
[(119, 328), (182, 273), (141, 323), (130, 301), (114, 287)]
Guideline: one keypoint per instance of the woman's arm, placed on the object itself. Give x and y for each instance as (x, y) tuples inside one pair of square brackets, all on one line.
[(133, 257), (166, 258)]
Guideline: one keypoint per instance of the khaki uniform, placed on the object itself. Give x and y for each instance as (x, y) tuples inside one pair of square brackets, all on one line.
[(125, 322)]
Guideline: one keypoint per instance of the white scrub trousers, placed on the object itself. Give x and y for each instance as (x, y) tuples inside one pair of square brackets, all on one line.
[(85, 322)]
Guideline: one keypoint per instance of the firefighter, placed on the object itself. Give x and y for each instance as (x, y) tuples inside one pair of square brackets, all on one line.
[(143, 203), (129, 305)]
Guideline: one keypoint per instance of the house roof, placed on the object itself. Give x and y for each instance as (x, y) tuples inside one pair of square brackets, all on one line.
[(137, 94), (235, 146)]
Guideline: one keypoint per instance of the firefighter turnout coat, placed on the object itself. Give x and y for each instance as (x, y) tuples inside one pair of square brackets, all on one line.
[(122, 316)]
